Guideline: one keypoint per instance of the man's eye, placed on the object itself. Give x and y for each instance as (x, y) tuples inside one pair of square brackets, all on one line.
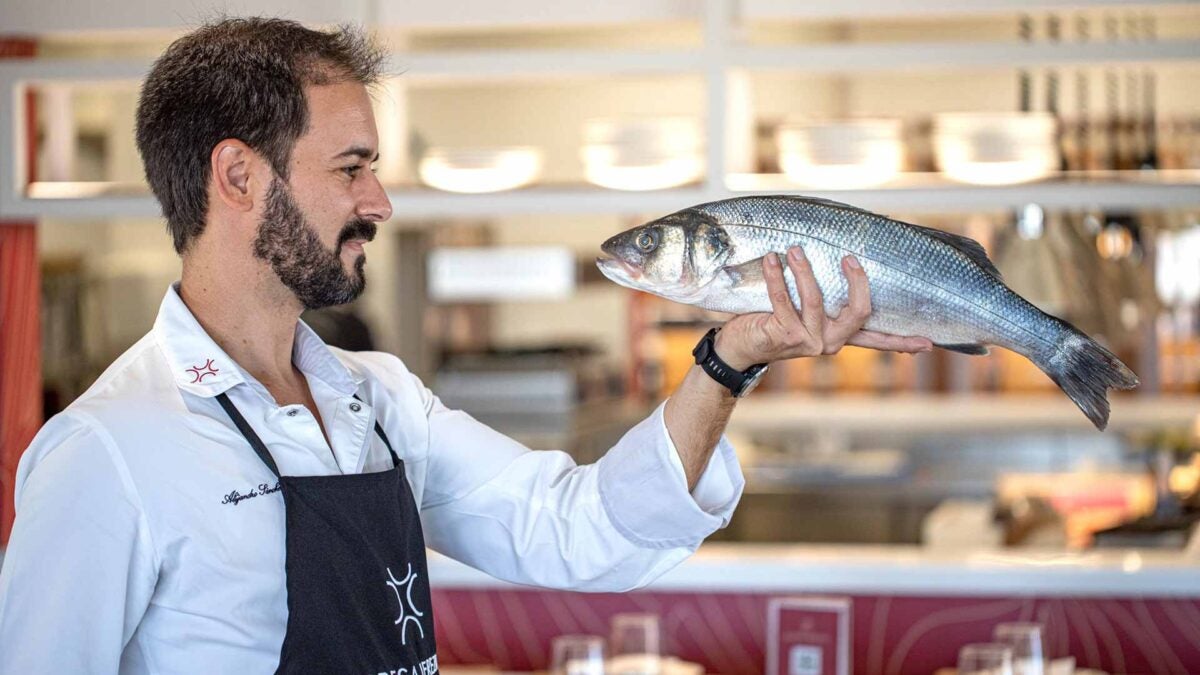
[(352, 170)]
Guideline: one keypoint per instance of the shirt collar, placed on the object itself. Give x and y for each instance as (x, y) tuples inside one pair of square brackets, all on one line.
[(201, 367)]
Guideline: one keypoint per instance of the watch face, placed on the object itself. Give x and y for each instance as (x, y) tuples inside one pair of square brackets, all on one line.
[(753, 381)]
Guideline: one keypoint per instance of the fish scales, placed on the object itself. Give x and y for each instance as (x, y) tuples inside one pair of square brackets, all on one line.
[(919, 285)]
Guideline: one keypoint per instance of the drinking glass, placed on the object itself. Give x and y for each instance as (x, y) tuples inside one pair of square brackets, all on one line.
[(1025, 640), (577, 655), (634, 645), (985, 658)]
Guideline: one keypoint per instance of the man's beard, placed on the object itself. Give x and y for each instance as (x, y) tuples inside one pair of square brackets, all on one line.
[(290, 244)]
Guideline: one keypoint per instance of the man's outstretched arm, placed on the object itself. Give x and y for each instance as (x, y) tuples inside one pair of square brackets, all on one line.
[(698, 411)]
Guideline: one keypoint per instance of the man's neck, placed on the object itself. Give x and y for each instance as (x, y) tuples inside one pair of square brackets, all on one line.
[(252, 319)]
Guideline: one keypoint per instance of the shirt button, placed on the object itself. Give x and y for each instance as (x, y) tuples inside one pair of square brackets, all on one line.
[(355, 407), (292, 412)]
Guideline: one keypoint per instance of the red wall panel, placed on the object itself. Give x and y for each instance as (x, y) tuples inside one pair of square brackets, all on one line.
[(20, 323)]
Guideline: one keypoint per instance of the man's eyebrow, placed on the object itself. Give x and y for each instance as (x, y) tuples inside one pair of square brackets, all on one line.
[(360, 152)]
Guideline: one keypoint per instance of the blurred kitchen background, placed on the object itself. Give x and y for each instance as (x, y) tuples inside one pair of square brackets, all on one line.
[(516, 137)]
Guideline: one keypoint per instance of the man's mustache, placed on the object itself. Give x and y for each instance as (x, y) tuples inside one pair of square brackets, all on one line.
[(358, 229)]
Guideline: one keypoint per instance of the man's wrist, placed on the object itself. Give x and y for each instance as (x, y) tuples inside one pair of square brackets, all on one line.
[(729, 355)]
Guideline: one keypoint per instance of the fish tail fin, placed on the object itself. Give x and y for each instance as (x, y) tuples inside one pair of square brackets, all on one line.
[(1085, 370)]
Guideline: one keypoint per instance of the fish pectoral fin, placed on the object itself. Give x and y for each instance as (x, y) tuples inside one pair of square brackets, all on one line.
[(970, 348), (748, 273)]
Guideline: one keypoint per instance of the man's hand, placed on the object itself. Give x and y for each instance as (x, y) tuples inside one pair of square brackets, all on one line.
[(786, 333)]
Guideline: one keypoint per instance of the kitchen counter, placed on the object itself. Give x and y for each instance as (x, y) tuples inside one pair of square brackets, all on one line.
[(905, 570)]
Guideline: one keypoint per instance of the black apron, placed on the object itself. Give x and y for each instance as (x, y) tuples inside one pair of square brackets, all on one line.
[(357, 584)]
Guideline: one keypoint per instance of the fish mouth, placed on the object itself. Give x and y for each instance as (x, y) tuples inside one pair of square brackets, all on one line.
[(619, 271)]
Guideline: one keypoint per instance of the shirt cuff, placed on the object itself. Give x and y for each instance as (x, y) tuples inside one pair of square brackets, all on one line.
[(644, 489)]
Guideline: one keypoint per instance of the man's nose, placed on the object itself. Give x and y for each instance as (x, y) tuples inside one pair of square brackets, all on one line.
[(374, 205)]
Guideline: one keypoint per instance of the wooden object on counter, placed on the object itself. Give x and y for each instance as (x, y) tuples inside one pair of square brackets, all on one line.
[(932, 414)]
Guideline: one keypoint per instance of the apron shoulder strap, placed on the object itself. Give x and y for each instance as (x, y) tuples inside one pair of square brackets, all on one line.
[(383, 436), (247, 431)]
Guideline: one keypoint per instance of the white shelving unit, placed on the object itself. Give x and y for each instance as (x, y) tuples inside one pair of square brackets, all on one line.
[(717, 60), (930, 197)]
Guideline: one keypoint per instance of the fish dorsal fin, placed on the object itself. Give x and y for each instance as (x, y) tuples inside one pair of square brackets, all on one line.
[(821, 201), (965, 245)]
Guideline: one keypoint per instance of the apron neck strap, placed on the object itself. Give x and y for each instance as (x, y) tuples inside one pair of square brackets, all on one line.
[(247, 431), (383, 437)]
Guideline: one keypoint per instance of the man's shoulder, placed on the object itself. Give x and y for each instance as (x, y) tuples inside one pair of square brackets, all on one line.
[(138, 379), (88, 429), (136, 390)]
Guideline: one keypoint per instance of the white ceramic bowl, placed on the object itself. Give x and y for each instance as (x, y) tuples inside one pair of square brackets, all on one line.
[(477, 170), (996, 148), (648, 153), (617, 169), (840, 154)]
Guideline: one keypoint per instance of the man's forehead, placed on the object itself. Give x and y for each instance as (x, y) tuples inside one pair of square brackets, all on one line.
[(341, 121)]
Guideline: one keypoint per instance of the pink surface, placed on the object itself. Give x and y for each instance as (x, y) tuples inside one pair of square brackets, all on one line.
[(893, 635)]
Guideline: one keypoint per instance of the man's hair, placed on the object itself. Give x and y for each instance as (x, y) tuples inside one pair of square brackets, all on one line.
[(240, 78)]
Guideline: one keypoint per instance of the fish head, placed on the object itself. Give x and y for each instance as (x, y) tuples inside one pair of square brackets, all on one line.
[(674, 257)]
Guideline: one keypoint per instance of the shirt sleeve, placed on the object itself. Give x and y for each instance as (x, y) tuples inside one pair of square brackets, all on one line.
[(79, 570), (537, 518)]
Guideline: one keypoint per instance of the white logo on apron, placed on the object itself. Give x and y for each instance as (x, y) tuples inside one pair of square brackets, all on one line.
[(404, 618)]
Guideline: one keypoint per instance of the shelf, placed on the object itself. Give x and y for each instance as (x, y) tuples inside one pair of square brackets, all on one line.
[(506, 64), (98, 200), (814, 10), (843, 58), (918, 193), (509, 65), (931, 193), (63, 17)]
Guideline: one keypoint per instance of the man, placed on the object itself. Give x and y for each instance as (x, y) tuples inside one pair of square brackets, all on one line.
[(232, 495)]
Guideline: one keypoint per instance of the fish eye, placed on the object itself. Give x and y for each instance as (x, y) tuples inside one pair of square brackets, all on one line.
[(647, 241)]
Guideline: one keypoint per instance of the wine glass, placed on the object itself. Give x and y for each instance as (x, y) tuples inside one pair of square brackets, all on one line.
[(634, 645), (577, 655), (985, 658), (1025, 639)]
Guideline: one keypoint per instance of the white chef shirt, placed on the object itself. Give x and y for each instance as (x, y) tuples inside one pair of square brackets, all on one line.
[(137, 550)]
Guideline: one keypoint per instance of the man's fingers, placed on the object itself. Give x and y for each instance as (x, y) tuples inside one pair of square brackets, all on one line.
[(858, 309), (812, 304), (777, 290), (890, 343)]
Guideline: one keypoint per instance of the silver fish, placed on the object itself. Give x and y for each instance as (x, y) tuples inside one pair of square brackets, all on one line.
[(924, 282)]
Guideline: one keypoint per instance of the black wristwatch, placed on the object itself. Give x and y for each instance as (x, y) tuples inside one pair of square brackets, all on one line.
[(738, 382)]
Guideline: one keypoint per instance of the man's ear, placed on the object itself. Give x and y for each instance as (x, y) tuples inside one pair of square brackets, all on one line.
[(234, 169)]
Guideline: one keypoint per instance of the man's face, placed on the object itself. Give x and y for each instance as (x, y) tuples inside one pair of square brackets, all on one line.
[(313, 227)]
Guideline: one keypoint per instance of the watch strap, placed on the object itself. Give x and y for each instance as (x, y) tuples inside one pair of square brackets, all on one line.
[(726, 375)]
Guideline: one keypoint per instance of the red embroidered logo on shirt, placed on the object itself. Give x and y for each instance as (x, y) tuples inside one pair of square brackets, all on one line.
[(199, 372)]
